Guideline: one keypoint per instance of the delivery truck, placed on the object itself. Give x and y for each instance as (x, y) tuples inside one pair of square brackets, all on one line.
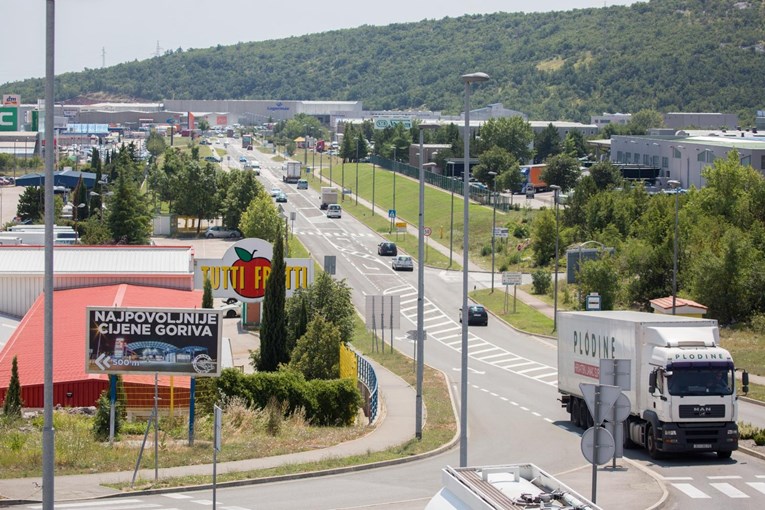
[(682, 384), (532, 179), (328, 196), (291, 171)]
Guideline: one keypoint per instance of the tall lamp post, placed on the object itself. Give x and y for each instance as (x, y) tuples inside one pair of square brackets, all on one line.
[(556, 189), (305, 146), (674, 185), (467, 79), (357, 172), (451, 211), (394, 176), (421, 286), (493, 222)]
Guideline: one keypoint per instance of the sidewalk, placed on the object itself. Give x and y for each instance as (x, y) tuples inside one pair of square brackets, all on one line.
[(395, 426)]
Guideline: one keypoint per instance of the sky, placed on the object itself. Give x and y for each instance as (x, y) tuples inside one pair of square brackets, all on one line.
[(89, 32)]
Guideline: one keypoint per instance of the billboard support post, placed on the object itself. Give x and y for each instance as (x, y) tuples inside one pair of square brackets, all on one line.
[(156, 426)]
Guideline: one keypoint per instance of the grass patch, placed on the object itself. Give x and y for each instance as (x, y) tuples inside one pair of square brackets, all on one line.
[(525, 317)]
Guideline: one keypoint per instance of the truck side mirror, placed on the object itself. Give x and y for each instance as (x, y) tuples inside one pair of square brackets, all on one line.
[(652, 382), (745, 382)]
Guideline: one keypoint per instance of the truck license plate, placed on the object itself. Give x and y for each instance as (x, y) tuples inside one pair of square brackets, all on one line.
[(702, 445)]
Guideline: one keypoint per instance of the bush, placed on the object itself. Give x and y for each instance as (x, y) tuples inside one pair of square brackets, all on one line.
[(757, 323), (540, 281), (485, 250), (759, 439), (101, 420), (748, 431), (521, 231)]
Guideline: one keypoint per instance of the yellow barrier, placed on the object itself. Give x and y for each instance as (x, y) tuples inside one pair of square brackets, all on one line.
[(348, 368)]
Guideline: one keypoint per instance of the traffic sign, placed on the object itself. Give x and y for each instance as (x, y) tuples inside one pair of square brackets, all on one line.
[(511, 278), (427, 231), (599, 398), (501, 232), (391, 213), (597, 445)]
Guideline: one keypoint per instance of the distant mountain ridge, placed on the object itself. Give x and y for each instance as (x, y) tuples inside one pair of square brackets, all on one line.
[(669, 55)]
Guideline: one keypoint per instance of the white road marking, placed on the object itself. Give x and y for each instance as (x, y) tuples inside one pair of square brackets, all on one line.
[(124, 504), (727, 477), (760, 486), (690, 491), (677, 478), (729, 490), (543, 367), (177, 496)]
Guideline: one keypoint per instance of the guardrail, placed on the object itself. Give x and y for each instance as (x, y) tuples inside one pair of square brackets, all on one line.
[(368, 378)]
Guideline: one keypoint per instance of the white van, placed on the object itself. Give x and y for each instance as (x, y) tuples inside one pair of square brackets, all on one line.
[(334, 211)]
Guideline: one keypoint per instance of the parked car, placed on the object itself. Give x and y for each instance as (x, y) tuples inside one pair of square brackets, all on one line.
[(334, 211), (387, 248), (402, 263), (231, 309), (477, 315), (281, 197), (223, 232), (275, 191)]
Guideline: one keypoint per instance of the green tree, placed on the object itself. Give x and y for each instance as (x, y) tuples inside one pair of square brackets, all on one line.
[(574, 144), (197, 192), (203, 125), (605, 175), (601, 276), (30, 205), (317, 353), (497, 160), (261, 219), (562, 170), (543, 237), (510, 133), (12, 404), (297, 311), (546, 143), (273, 328), (129, 220), (80, 202), (643, 120), (155, 144), (207, 294), (95, 232)]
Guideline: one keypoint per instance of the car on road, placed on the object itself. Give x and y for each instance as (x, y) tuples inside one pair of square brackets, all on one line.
[(275, 191), (222, 232), (231, 309), (477, 316), (281, 197), (387, 248), (334, 211), (402, 263), (242, 159), (302, 184)]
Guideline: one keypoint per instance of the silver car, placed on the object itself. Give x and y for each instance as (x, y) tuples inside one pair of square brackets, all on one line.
[(402, 263), (222, 232)]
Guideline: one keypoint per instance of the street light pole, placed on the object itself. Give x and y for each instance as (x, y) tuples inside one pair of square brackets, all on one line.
[(305, 146), (421, 286), (674, 185), (394, 177), (556, 189), (467, 80), (493, 223), (451, 210), (357, 172)]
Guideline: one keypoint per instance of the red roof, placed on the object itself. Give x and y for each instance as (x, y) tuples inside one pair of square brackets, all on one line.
[(69, 331), (665, 303)]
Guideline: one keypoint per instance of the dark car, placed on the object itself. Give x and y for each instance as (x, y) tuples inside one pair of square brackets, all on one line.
[(386, 248), (477, 316), (281, 197)]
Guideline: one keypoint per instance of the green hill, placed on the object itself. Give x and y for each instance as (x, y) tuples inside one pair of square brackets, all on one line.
[(669, 55)]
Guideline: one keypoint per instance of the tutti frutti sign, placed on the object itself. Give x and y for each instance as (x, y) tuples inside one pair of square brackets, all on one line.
[(244, 270)]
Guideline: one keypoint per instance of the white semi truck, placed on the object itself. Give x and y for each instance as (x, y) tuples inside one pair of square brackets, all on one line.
[(329, 196), (682, 394), (291, 171)]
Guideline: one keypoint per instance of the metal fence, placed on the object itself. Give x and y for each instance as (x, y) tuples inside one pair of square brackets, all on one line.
[(368, 377)]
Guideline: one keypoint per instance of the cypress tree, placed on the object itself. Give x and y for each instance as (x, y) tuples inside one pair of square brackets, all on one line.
[(13, 404), (273, 328)]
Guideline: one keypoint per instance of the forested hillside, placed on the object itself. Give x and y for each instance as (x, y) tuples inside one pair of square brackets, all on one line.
[(669, 55)]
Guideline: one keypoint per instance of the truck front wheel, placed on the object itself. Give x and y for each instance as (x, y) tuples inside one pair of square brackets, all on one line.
[(575, 412), (724, 454), (652, 443)]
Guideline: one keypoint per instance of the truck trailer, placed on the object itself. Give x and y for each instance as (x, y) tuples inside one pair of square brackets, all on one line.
[(328, 196), (291, 171), (682, 392)]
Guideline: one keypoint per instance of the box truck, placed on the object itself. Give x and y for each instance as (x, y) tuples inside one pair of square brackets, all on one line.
[(328, 196), (682, 384), (532, 178), (291, 171)]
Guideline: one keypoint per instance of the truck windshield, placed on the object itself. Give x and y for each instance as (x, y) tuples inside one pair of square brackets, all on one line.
[(700, 381)]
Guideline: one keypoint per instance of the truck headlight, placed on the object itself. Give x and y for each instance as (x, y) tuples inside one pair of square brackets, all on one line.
[(670, 432), (732, 432)]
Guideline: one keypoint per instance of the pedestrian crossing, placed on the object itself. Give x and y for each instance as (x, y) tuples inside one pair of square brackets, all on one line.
[(178, 501), (445, 330), (337, 235), (731, 486)]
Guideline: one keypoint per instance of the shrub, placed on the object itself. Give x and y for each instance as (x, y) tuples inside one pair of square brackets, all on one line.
[(747, 430), (13, 404), (485, 250), (540, 281), (521, 231), (757, 323), (101, 420), (759, 439)]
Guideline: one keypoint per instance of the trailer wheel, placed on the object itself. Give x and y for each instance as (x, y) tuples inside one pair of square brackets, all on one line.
[(652, 443), (589, 421), (584, 415), (628, 444), (724, 454)]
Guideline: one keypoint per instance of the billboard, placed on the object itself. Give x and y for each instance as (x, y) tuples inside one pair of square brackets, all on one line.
[(9, 118), (244, 269), (11, 100), (389, 122), (176, 341)]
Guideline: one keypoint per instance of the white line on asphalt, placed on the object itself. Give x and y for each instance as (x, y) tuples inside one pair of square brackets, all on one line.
[(677, 478), (548, 420), (177, 496), (729, 490), (543, 367), (96, 504), (690, 491), (492, 348), (760, 486), (551, 374), (503, 353), (517, 364), (525, 408), (727, 477)]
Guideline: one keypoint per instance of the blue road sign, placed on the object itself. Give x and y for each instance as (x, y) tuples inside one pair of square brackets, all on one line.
[(391, 213)]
